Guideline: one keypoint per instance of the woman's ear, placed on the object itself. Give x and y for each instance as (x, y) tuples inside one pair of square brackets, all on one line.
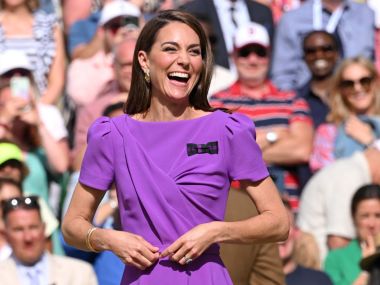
[(143, 60)]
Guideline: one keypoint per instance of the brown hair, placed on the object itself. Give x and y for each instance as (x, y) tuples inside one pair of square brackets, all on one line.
[(31, 4), (339, 109), (140, 93)]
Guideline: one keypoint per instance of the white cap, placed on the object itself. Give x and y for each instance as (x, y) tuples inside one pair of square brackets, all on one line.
[(251, 33), (13, 59), (118, 8)]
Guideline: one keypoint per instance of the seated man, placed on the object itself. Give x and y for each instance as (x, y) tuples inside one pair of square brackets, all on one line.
[(283, 124), (30, 263)]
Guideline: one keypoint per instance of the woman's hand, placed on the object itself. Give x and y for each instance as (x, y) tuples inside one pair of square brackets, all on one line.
[(193, 243), (368, 246), (133, 249), (359, 130)]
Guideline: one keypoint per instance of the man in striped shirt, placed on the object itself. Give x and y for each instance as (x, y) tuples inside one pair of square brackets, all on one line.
[(283, 124)]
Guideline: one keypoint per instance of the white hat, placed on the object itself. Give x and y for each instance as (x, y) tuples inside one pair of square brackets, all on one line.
[(251, 33), (13, 59), (118, 8)]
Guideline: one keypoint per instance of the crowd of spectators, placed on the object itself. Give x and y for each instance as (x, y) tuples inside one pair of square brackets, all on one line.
[(305, 71)]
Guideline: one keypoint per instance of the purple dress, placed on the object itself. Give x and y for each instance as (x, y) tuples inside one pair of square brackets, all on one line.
[(170, 177)]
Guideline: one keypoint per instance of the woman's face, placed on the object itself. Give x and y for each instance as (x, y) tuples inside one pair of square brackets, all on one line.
[(174, 63), (367, 218), (357, 87)]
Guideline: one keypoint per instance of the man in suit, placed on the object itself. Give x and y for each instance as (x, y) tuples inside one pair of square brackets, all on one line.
[(245, 11), (250, 264), (30, 263)]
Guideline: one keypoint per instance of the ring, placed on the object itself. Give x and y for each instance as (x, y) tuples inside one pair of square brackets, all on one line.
[(187, 259)]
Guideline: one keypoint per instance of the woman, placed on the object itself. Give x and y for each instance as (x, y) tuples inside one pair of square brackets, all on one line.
[(342, 264), (354, 119), (24, 27), (173, 164)]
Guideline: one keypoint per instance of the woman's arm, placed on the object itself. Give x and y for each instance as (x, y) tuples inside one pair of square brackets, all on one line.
[(56, 76), (272, 224), (130, 248)]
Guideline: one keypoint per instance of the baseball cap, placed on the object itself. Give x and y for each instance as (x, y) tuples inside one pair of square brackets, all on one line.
[(11, 152), (251, 33), (14, 59), (118, 8)]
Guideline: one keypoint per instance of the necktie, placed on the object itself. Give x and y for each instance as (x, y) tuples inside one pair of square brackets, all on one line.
[(33, 276)]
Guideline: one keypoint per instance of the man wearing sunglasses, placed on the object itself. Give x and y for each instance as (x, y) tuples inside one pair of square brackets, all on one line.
[(283, 125), (30, 263), (119, 20)]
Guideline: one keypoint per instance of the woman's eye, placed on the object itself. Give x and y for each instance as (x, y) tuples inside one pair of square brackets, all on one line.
[(195, 51), (169, 49)]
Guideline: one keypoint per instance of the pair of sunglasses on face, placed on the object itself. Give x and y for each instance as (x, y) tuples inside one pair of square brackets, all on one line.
[(115, 25), (349, 85), (312, 51), (259, 50), (30, 202)]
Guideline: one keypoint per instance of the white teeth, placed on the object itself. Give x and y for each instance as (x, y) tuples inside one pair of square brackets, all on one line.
[(321, 63), (179, 74)]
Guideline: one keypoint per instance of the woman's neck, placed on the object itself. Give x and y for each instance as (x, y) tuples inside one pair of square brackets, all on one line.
[(17, 11)]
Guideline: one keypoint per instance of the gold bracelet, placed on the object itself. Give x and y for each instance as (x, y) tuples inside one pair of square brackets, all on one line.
[(88, 237)]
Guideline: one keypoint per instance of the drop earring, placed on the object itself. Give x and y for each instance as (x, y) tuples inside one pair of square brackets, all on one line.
[(147, 76)]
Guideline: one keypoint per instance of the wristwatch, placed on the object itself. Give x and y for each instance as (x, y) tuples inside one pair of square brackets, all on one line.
[(271, 137)]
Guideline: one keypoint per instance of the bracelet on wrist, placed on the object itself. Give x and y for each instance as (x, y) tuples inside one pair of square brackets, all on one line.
[(88, 239)]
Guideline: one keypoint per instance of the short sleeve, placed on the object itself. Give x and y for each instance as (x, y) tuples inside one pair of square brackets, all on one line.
[(97, 169), (244, 157)]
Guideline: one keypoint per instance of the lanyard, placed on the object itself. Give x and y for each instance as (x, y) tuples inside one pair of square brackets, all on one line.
[(333, 21)]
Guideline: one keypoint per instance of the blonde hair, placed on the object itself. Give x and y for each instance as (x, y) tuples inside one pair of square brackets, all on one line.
[(31, 4), (339, 109)]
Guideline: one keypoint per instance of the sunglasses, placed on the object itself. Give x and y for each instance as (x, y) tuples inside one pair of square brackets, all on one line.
[(311, 51), (349, 85), (30, 202), (259, 50), (114, 26)]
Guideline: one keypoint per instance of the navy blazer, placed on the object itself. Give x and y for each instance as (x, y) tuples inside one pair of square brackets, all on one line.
[(258, 13)]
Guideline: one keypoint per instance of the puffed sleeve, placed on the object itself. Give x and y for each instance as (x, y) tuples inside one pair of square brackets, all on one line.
[(244, 158), (97, 170)]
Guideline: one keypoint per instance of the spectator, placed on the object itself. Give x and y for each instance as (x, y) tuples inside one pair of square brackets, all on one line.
[(249, 264), (351, 22), (234, 13), (325, 200), (295, 273), (24, 27), (342, 264), (320, 52), (119, 20), (37, 127), (30, 262), (282, 121), (354, 119)]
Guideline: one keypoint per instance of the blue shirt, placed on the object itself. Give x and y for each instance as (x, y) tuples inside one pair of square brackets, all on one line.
[(303, 276), (356, 30), (82, 31)]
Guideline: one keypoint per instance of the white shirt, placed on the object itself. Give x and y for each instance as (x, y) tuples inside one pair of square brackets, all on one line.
[(5, 252), (52, 118), (223, 9), (41, 266)]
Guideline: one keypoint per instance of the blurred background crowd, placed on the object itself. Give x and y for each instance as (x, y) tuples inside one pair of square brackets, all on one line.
[(306, 72)]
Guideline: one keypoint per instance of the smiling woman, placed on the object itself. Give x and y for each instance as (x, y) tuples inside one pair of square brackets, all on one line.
[(172, 192)]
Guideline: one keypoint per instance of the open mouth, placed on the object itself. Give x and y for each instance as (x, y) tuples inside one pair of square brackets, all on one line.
[(179, 76), (321, 63)]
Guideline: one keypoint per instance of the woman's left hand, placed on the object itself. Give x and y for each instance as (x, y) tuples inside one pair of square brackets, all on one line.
[(193, 243), (359, 130)]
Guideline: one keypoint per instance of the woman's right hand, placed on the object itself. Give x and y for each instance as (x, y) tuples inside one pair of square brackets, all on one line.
[(134, 250)]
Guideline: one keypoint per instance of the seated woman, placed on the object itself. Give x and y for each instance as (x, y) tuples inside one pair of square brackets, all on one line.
[(354, 119), (342, 264), (24, 27)]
